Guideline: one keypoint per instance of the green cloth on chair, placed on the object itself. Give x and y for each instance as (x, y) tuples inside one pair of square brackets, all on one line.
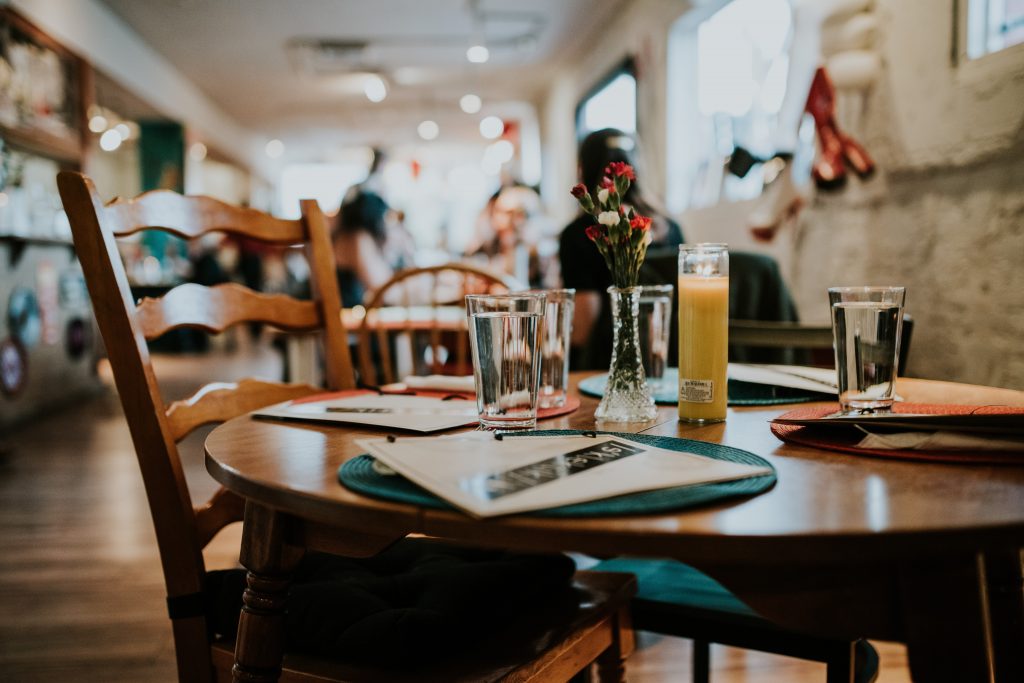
[(672, 582)]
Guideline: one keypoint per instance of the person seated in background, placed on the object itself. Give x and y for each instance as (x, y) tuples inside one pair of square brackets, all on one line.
[(359, 242), (510, 235), (583, 267)]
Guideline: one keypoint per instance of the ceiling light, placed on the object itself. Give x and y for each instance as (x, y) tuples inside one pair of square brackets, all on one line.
[(98, 123), (375, 88), (274, 148), (428, 129), (491, 127), (110, 140), (478, 54), (123, 130), (470, 103), (197, 151)]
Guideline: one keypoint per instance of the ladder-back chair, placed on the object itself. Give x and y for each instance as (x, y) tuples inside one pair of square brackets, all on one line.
[(414, 318), (597, 630)]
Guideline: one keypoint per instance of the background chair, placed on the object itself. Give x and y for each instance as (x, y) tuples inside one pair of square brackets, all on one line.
[(415, 323), (597, 628)]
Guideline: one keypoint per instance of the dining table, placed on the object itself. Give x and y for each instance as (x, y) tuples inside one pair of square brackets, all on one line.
[(843, 545)]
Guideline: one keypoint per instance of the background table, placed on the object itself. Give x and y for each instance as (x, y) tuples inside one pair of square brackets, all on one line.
[(843, 545)]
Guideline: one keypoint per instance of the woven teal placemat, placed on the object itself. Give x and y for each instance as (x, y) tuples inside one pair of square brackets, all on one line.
[(359, 475), (740, 393)]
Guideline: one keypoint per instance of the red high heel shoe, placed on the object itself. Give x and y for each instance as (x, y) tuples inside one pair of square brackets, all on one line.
[(829, 172), (857, 157)]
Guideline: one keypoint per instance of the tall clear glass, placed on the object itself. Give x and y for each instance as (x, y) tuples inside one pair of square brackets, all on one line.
[(703, 332), (554, 363), (866, 325), (655, 325), (504, 333)]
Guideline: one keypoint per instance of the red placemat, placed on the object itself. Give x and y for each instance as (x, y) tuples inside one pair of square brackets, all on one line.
[(571, 402), (834, 439)]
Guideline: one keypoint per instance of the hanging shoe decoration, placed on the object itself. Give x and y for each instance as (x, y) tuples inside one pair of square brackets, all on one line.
[(829, 172), (779, 201)]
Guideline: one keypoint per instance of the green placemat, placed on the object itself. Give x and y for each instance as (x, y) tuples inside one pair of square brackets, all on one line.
[(359, 475), (740, 393)]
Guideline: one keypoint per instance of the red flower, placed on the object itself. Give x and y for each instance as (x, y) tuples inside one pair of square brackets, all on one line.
[(619, 168), (640, 223), (594, 232), (578, 190), (607, 183)]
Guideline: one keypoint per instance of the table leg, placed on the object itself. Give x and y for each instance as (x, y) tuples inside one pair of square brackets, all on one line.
[(946, 621), (1005, 589), (259, 647)]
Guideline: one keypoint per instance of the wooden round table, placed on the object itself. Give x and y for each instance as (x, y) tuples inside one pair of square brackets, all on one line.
[(843, 545)]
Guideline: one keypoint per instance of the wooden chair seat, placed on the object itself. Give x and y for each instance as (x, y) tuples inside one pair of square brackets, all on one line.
[(536, 648)]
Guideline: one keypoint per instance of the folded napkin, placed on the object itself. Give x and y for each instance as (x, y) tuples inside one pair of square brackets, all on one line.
[(440, 383), (941, 441)]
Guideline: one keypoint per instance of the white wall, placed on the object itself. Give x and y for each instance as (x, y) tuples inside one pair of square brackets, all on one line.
[(92, 30), (945, 217)]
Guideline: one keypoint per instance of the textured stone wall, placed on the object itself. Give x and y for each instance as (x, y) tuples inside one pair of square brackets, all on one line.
[(945, 215)]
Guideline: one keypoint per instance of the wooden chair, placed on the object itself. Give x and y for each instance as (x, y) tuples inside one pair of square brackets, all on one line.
[(599, 627), (414, 318)]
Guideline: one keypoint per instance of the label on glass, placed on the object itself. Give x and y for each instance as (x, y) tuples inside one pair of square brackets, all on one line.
[(696, 390)]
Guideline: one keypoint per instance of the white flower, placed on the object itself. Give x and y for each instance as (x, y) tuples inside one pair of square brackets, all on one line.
[(602, 195), (608, 218)]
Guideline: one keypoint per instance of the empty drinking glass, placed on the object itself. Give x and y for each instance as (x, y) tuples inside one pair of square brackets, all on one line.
[(866, 323), (504, 332), (655, 324), (554, 364)]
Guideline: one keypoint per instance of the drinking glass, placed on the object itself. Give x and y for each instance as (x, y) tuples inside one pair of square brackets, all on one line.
[(866, 323), (504, 331), (655, 330), (554, 364)]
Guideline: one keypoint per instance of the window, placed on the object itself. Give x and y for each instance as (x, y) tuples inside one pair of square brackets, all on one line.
[(993, 25), (611, 104)]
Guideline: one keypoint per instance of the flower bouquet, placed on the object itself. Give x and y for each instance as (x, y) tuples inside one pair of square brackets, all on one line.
[(621, 235)]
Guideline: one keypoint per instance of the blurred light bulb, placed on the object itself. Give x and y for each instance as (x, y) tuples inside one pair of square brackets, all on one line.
[(491, 127), (428, 129), (470, 103), (98, 123), (110, 140), (478, 54), (274, 148), (490, 166), (375, 88), (123, 130), (197, 151), (502, 151)]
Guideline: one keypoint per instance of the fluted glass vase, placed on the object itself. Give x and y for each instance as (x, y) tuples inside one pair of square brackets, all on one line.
[(627, 398)]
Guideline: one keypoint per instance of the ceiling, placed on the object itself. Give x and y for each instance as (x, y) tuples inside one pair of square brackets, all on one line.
[(254, 59)]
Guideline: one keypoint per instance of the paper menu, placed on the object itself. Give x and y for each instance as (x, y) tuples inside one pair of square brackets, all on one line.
[(486, 477), (415, 413), (793, 376)]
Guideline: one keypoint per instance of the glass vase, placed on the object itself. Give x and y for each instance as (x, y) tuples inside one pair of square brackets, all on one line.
[(627, 398)]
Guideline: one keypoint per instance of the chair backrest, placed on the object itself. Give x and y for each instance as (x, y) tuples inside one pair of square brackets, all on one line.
[(413, 320), (183, 529)]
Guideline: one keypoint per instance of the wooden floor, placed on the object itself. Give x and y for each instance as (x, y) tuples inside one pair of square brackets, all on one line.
[(81, 592)]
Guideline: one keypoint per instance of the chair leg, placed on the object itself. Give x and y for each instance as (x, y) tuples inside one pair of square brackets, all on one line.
[(611, 664), (701, 661), (841, 665)]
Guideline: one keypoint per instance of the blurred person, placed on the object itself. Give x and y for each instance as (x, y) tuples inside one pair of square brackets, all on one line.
[(509, 236), (359, 247), (583, 267)]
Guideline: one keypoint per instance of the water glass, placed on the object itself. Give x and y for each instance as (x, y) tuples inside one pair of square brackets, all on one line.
[(554, 364), (504, 333), (866, 324), (655, 324)]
